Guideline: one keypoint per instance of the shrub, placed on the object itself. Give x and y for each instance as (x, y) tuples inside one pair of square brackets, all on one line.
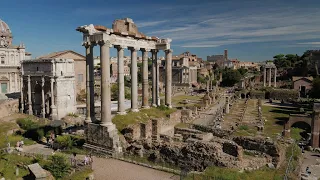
[(284, 94), (27, 124), (65, 142), (243, 127), (58, 166)]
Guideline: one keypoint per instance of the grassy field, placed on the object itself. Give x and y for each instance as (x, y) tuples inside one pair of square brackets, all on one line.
[(276, 118), (122, 121), (9, 163), (79, 175)]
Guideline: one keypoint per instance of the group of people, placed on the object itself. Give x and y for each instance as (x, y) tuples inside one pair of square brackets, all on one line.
[(50, 140), (87, 159)]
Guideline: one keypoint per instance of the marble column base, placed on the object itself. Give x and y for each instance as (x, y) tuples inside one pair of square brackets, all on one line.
[(146, 107), (122, 113), (154, 105), (134, 110)]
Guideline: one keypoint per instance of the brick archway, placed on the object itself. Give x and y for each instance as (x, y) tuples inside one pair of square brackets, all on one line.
[(312, 120)]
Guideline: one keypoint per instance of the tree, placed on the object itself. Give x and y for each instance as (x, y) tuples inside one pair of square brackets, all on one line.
[(314, 93), (58, 166), (281, 62), (242, 71), (230, 77)]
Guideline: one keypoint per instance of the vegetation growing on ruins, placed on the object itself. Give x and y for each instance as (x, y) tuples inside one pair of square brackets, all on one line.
[(122, 121)]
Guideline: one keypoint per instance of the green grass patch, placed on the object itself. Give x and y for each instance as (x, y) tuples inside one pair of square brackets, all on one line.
[(276, 117), (179, 100), (9, 163), (182, 125), (245, 130), (295, 133), (79, 175), (122, 121)]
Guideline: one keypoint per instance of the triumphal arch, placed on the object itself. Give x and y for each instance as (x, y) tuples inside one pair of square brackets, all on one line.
[(124, 34)]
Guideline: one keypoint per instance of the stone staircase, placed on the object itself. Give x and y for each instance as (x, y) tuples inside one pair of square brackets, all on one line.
[(100, 151)]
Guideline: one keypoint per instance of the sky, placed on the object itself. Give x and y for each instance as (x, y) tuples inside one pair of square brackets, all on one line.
[(251, 30)]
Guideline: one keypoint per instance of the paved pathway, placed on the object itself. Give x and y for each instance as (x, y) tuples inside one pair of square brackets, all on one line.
[(108, 168), (311, 160), (111, 169)]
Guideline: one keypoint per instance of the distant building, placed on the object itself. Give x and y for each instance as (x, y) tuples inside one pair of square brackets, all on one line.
[(10, 58), (79, 66), (219, 59), (302, 84), (249, 65)]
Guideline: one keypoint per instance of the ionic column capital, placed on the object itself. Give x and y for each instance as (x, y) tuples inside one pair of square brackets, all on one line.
[(104, 42), (29, 78), (134, 48), (145, 50), (154, 50), (119, 47), (168, 51)]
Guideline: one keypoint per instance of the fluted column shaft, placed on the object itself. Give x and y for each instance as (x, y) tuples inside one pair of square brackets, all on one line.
[(121, 95), (264, 76), (10, 83), (269, 77), (168, 89), (145, 83), (105, 83), (134, 80), (154, 77), (15, 82), (275, 77), (90, 114), (29, 96), (42, 95)]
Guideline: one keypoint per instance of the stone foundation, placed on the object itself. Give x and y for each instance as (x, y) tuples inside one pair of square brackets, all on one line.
[(104, 139)]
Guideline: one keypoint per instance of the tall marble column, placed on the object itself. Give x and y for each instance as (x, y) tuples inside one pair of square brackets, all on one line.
[(105, 83), (154, 77), (168, 89), (15, 82), (275, 77), (21, 95), (269, 77), (10, 83), (264, 76), (134, 80), (145, 82), (121, 90), (42, 95), (29, 96), (157, 84), (89, 84), (53, 106)]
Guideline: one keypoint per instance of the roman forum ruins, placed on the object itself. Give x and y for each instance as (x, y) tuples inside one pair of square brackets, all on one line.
[(124, 34), (270, 66)]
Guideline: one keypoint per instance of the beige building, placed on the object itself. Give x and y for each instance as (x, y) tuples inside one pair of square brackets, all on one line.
[(79, 66), (10, 58)]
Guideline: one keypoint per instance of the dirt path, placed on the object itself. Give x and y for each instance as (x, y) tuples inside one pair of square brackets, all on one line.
[(111, 169), (311, 160)]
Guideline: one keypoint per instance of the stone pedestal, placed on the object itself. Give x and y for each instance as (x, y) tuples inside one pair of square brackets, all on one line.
[(102, 139)]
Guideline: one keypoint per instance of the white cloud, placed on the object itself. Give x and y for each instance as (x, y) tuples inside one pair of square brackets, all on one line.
[(310, 43), (149, 23)]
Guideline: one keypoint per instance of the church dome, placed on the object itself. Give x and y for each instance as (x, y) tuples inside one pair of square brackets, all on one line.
[(5, 34)]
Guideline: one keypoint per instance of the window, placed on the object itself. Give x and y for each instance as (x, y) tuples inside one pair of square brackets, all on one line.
[(2, 60), (80, 77)]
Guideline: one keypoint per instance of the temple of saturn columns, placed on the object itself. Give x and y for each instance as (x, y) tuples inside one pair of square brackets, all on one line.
[(124, 34), (48, 88), (269, 66)]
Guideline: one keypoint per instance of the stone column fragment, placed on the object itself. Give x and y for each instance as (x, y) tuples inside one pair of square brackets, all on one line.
[(21, 94), (168, 84), (134, 80), (89, 84)]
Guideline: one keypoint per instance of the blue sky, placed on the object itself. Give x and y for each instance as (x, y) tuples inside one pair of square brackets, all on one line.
[(251, 30)]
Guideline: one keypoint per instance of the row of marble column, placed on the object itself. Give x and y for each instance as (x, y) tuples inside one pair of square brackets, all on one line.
[(270, 74), (106, 81), (16, 88), (29, 97)]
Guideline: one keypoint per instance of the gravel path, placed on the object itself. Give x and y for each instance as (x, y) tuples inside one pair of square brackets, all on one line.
[(111, 169)]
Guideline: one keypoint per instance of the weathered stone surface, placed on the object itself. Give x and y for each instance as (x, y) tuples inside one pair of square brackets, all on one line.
[(221, 133)]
